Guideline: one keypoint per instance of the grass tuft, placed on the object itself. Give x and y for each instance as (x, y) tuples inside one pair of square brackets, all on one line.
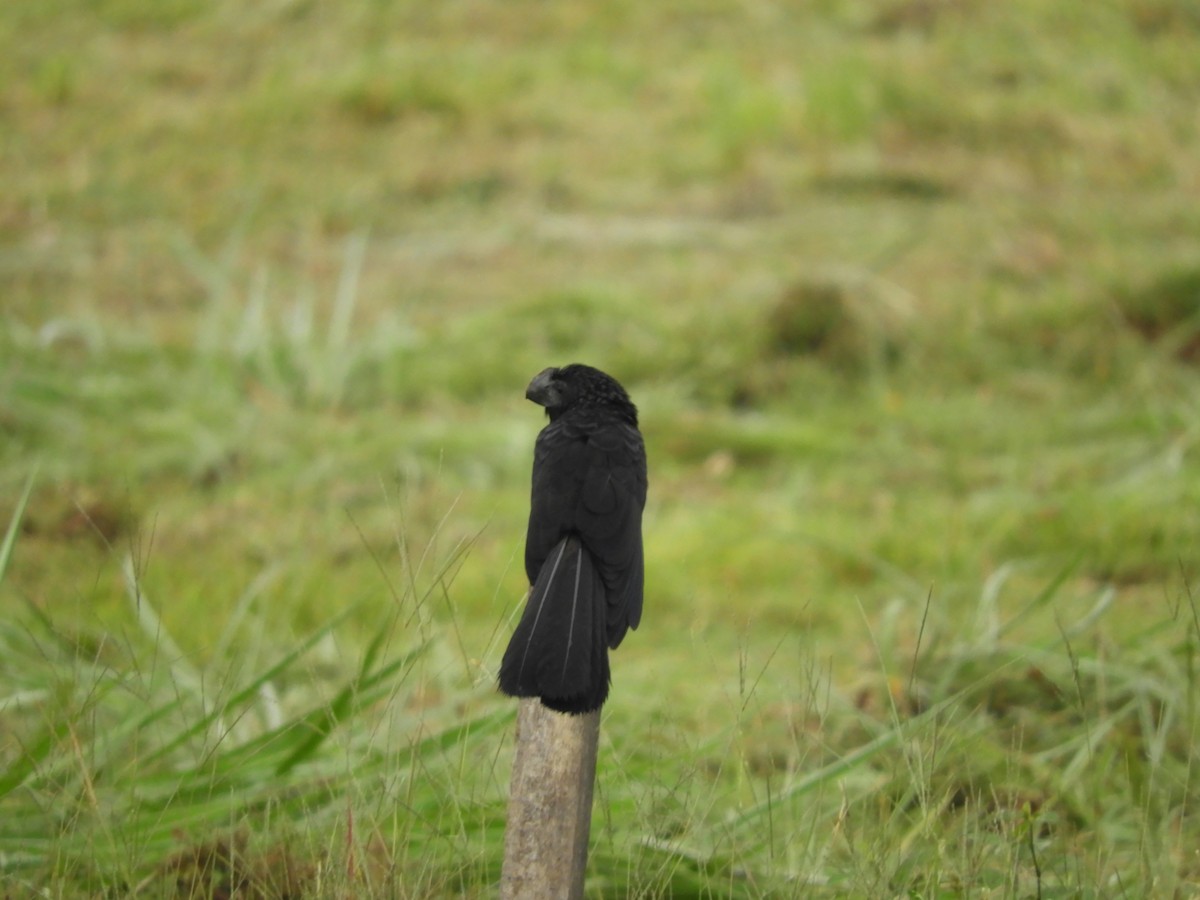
[(127, 756), (1167, 311)]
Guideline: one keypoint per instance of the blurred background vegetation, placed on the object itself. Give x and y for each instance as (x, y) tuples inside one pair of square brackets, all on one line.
[(908, 294)]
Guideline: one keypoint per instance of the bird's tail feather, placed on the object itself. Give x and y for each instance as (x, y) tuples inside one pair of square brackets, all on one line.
[(559, 650)]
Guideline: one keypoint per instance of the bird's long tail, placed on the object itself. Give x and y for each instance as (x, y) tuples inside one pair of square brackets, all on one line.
[(559, 650)]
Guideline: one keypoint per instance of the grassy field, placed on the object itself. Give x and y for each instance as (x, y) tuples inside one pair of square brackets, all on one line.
[(908, 295)]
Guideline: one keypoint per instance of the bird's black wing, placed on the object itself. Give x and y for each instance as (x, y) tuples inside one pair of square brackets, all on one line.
[(589, 479)]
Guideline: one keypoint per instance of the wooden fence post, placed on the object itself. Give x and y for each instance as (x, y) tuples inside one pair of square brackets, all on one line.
[(549, 804)]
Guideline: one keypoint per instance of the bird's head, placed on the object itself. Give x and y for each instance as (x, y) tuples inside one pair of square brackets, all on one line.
[(577, 385)]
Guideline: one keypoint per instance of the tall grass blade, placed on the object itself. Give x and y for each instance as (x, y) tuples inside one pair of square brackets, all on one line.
[(14, 525)]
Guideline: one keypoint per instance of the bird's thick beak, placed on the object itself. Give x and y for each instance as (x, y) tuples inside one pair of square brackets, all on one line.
[(541, 389)]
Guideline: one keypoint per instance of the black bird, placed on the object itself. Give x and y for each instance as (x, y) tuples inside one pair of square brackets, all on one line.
[(583, 549)]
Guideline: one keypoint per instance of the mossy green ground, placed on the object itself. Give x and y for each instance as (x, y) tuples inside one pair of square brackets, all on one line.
[(908, 295)]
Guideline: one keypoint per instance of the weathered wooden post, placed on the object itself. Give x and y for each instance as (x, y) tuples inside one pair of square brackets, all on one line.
[(549, 804)]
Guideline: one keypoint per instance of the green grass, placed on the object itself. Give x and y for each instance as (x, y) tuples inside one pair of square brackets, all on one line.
[(906, 294)]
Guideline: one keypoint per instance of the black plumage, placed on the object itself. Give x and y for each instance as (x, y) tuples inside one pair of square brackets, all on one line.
[(583, 549)]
